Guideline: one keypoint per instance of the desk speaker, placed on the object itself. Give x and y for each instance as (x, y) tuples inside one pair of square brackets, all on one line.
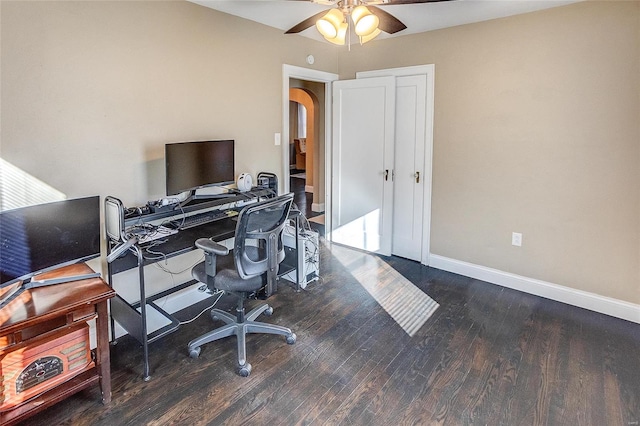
[(41, 363), (244, 182)]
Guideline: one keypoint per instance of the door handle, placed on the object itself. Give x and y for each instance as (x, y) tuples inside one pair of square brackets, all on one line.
[(386, 174), (417, 176)]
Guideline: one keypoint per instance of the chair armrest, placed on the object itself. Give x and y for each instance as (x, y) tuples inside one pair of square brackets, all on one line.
[(212, 247)]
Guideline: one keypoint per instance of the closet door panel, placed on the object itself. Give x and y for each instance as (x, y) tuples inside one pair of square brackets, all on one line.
[(362, 163)]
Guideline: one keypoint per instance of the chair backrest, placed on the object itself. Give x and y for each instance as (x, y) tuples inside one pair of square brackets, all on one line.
[(258, 244), (114, 219)]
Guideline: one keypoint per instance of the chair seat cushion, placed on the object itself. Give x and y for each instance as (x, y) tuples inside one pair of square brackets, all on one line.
[(227, 279)]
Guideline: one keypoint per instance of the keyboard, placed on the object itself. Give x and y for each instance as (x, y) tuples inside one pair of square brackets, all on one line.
[(202, 218)]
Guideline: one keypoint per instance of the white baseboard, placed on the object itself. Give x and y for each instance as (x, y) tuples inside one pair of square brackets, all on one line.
[(308, 188), (593, 302), (317, 207)]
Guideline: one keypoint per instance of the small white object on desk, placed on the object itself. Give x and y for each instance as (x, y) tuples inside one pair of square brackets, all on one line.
[(244, 182)]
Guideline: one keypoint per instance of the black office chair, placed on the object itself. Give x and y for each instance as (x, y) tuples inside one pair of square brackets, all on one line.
[(257, 252)]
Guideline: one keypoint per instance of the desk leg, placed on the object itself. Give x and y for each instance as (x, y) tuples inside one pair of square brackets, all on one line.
[(143, 312), (298, 253), (102, 351)]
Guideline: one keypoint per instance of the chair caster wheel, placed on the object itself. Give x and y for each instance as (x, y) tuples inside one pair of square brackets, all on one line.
[(269, 311), (291, 339), (195, 352), (244, 370)]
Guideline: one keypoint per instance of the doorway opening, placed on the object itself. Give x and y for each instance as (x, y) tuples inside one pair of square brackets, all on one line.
[(303, 152), (306, 133)]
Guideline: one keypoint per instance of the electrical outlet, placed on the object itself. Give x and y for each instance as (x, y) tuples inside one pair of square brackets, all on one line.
[(516, 239)]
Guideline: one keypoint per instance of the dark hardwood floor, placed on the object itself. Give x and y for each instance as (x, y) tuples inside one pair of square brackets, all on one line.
[(488, 356), (302, 199)]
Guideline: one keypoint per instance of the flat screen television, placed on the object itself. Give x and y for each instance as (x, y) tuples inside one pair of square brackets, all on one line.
[(43, 237), (193, 165)]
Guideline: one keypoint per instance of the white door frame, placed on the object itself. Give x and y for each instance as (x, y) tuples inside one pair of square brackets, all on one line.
[(429, 71), (288, 72)]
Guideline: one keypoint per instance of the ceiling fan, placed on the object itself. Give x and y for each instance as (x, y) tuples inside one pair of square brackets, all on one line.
[(367, 19)]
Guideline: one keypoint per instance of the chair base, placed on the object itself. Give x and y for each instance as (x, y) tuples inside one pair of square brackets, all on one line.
[(240, 330)]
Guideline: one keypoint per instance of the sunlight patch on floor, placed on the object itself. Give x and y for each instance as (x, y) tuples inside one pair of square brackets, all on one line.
[(407, 304)]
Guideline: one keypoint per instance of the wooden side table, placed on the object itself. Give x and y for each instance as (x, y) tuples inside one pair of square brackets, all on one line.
[(40, 325)]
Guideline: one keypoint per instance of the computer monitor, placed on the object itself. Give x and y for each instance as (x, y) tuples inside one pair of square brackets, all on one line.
[(192, 165), (43, 237)]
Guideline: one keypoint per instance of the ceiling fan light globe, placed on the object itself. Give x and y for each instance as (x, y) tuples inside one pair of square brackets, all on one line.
[(364, 22), (329, 24), (340, 38), (367, 25), (326, 28), (364, 39)]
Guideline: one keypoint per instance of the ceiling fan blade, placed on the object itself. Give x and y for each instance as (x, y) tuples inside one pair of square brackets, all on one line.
[(307, 23), (388, 23)]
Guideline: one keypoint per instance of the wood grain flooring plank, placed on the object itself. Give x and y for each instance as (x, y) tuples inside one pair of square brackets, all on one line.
[(350, 352), (373, 348), (407, 379), (486, 316), (513, 337), (445, 367), (487, 367)]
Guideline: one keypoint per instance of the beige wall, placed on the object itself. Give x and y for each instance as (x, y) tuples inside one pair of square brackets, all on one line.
[(537, 130), (536, 118), (91, 91)]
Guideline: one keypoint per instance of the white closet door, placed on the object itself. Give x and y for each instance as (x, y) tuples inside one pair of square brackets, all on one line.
[(410, 176), (362, 163)]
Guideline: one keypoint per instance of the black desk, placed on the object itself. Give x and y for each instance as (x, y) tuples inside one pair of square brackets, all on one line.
[(181, 242), (133, 316)]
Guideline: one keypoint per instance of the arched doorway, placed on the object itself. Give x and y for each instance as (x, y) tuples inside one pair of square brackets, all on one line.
[(304, 99), (303, 140)]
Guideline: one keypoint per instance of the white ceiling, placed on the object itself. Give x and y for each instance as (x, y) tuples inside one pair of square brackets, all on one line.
[(284, 14)]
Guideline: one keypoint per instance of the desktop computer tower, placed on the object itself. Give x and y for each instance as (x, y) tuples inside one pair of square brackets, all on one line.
[(307, 260)]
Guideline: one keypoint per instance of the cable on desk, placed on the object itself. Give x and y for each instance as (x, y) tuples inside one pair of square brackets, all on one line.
[(173, 273), (168, 271), (184, 217), (144, 230), (155, 255)]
